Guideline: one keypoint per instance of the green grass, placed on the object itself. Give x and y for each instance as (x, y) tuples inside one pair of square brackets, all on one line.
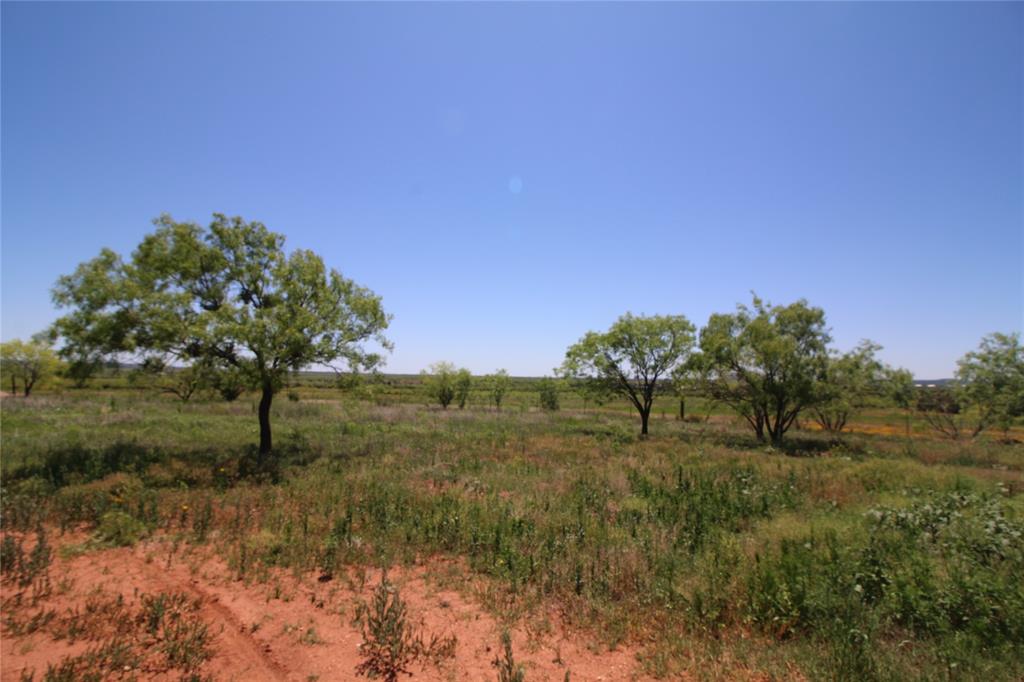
[(875, 558)]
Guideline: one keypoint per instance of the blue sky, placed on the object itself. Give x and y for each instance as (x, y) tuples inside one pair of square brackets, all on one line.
[(508, 176)]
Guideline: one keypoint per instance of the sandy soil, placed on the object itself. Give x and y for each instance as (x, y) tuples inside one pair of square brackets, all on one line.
[(300, 629)]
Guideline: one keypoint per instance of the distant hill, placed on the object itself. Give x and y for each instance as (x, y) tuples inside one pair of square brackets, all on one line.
[(931, 383)]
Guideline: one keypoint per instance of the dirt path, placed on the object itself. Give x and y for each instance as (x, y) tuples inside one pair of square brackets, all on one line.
[(301, 629)]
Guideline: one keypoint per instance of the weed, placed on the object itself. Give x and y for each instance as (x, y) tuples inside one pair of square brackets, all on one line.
[(694, 539), (389, 645), (119, 529), (508, 669)]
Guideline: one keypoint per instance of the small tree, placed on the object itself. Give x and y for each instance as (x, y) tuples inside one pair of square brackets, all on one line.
[(686, 382), (988, 390), (184, 382), (226, 294), (80, 367), (498, 384), (631, 357), (547, 390), (991, 381), (439, 380), (899, 387), (463, 386), (181, 382), (766, 362), (851, 380), (229, 382), (8, 364), (943, 410), (31, 363)]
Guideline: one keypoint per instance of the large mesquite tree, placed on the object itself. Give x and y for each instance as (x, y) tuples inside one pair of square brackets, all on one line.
[(766, 362), (226, 294), (630, 358)]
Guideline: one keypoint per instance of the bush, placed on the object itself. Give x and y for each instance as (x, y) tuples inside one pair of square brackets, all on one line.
[(119, 529), (548, 391), (390, 644)]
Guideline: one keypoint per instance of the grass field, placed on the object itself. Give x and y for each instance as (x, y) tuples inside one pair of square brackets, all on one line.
[(698, 551)]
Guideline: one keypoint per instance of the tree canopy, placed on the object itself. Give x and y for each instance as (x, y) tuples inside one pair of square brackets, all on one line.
[(227, 294), (851, 379), (498, 385), (463, 387), (440, 380), (988, 390), (766, 362), (29, 362), (630, 358)]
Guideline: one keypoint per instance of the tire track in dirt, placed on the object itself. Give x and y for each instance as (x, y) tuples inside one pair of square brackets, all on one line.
[(295, 629), (238, 651), (238, 655)]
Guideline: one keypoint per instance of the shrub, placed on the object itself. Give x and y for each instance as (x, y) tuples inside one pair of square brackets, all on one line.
[(390, 644), (508, 669), (388, 641), (548, 392), (442, 383), (119, 529)]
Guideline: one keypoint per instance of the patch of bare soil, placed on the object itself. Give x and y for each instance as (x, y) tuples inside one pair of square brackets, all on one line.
[(286, 628)]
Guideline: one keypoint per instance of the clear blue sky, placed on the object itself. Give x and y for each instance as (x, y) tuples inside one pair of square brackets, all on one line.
[(509, 176)]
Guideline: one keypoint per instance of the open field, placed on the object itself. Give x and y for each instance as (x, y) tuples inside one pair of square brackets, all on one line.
[(170, 552)]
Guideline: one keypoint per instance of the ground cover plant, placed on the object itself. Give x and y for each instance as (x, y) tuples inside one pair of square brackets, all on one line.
[(873, 556)]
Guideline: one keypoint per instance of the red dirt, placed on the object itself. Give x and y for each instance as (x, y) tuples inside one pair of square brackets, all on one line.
[(264, 631)]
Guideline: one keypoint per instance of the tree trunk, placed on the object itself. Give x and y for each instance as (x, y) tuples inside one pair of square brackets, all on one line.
[(644, 416), (265, 439), (682, 409), (28, 388), (14, 387)]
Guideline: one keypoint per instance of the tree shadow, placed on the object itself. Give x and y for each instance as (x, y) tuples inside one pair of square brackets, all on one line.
[(805, 446), (793, 445), (157, 467)]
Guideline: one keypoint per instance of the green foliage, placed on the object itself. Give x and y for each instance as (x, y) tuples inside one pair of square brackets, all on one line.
[(28, 363), (226, 295), (933, 569), (988, 391), (390, 643), (630, 358), (766, 362), (463, 385), (991, 381), (183, 382), (547, 390), (27, 567), (229, 382), (387, 645), (118, 529), (164, 633), (80, 366), (498, 385), (441, 382), (508, 669), (899, 387), (851, 380), (650, 541)]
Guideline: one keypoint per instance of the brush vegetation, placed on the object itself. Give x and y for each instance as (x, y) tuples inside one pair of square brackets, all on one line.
[(886, 553)]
